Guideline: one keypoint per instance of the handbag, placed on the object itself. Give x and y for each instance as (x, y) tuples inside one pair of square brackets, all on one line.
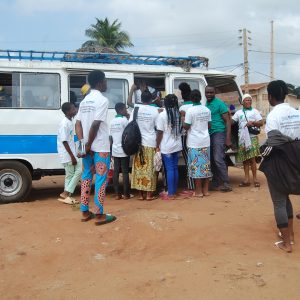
[(157, 161), (252, 129)]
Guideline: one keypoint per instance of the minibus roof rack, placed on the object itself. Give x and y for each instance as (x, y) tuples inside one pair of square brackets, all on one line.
[(104, 58)]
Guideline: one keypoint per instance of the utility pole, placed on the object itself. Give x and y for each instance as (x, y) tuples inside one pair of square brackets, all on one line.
[(272, 52), (245, 44)]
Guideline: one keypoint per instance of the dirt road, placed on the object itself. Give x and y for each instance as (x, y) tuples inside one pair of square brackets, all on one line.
[(220, 247)]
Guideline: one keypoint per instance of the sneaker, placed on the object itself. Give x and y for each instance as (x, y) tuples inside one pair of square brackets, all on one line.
[(226, 188)]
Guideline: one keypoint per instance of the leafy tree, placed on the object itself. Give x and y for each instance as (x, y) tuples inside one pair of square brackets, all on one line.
[(106, 37), (296, 91)]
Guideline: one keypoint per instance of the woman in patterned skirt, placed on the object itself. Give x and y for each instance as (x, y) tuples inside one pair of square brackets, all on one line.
[(197, 119), (143, 172), (247, 118)]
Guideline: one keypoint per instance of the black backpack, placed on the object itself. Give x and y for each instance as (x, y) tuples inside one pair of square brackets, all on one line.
[(131, 137)]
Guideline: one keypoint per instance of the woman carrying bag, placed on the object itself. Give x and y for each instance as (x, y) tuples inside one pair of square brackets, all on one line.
[(249, 121)]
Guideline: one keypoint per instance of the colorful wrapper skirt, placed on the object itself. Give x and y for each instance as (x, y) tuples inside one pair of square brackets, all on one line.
[(199, 162), (244, 154), (143, 176)]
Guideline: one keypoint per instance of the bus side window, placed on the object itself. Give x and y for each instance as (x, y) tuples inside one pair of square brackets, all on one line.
[(40, 91), (29, 90), (5, 90), (75, 84), (116, 91)]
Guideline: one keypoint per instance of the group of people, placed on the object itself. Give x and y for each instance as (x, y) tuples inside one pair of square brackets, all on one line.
[(200, 132)]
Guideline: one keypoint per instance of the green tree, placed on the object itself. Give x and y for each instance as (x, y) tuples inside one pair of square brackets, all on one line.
[(106, 37)]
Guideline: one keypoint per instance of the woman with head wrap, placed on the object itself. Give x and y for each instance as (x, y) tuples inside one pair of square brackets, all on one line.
[(249, 121)]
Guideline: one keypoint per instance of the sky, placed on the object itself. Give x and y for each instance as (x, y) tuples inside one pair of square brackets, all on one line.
[(167, 27)]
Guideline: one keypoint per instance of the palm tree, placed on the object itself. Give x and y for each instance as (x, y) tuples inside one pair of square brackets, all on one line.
[(106, 38)]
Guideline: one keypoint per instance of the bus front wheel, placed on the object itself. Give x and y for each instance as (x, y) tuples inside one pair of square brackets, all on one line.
[(15, 181)]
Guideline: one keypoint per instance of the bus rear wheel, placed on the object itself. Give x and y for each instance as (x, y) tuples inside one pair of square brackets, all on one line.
[(15, 181)]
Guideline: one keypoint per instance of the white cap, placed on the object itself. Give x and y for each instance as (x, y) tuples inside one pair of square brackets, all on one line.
[(245, 96)]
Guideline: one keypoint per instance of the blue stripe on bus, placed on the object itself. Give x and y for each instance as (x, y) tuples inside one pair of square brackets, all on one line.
[(28, 144)]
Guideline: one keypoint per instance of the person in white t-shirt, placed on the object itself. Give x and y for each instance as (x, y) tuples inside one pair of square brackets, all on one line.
[(121, 160), (144, 177), (286, 120), (67, 153), (169, 141), (92, 131), (185, 90), (248, 147), (197, 120)]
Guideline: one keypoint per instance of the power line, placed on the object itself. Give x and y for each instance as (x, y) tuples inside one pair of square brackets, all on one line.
[(268, 52), (238, 66), (227, 66)]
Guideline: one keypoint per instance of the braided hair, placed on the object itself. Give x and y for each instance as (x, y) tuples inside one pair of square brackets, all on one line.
[(174, 119), (278, 90)]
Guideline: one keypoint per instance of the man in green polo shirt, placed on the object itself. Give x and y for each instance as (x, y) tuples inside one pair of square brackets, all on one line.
[(220, 138)]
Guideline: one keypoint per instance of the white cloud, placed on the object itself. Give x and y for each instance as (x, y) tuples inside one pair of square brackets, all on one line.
[(190, 27), (30, 7), (290, 71)]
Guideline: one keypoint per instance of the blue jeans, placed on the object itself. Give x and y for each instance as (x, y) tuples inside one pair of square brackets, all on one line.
[(171, 166), (218, 164)]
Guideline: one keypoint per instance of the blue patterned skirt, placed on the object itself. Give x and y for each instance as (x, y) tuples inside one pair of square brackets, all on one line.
[(199, 162)]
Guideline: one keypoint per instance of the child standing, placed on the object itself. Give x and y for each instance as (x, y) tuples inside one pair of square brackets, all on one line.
[(197, 121), (117, 127), (67, 153)]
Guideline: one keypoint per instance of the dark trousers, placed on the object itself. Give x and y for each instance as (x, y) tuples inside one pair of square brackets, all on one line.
[(283, 209), (123, 164), (218, 164), (190, 181)]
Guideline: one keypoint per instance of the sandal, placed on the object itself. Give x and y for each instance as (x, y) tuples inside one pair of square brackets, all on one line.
[(130, 196), (68, 200), (244, 184), (187, 192), (197, 196), (90, 216), (256, 184), (151, 198), (108, 218)]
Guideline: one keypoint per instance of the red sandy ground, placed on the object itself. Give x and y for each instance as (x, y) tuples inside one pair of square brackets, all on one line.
[(220, 247)]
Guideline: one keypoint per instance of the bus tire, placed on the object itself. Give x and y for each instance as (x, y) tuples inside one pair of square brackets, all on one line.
[(15, 181)]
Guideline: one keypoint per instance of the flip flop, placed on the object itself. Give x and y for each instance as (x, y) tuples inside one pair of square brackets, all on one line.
[(198, 196), (280, 236), (89, 217), (70, 200), (130, 197), (108, 218), (187, 192), (244, 184), (277, 244), (151, 199), (61, 196), (256, 184)]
